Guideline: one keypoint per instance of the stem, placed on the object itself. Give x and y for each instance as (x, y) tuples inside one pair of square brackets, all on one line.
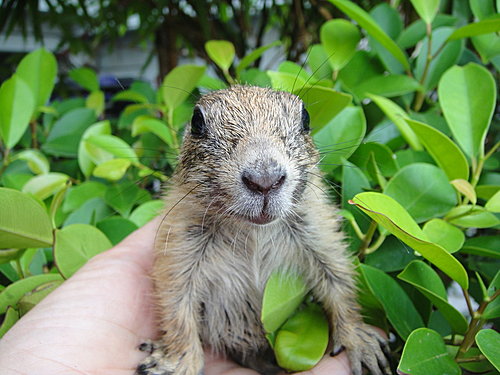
[(471, 359), (380, 240), (367, 239), (474, 326), (5, 163), (228, 77), (468, 301), (357, 229), (34, 140), (20, 268), (419, 100)]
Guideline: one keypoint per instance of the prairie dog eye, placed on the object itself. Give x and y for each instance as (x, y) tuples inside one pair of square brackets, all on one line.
[(305, 120), (198, 126)]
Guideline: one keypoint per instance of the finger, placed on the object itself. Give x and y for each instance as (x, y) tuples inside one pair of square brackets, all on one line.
[(217, 365), (338, 365)]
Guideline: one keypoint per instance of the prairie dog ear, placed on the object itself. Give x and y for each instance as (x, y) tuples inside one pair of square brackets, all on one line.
[(198, 125)]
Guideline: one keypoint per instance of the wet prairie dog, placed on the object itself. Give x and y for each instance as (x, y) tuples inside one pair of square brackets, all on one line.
[(247, 199)]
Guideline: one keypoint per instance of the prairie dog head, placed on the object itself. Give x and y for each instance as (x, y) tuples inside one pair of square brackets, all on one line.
[(249, 151)]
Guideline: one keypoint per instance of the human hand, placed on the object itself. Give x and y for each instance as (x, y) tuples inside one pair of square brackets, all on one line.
[(94, 322)]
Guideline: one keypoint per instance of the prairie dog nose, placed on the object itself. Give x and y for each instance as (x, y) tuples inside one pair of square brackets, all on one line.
[(264, 178)]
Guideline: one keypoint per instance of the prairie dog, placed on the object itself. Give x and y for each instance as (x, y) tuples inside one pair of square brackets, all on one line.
[(246, 199)]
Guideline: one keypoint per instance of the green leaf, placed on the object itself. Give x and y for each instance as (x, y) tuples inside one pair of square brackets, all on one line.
[(179, 83), (488, 246), (303, 339), (75, 245), (318, 62), (39, 70), (427, 281), (146, 212), (490, 25), (11, 317), (398, 117), (37, 162), (78, 195), (465, 188), (33, 297), (444, 234), (383, 156), (122, 197), (392, 216), (366, 22), (15, 291), (488, 47), (17, 104), (221, 52), (423, 189), (470, 216), (340, 137), (23, 222), (6, 255), (339, 38), (86, 78), (388, 86), (426, 9), (144, 124), (116, 228), (46, 185), (130, 96), (467, 110), (445, 153), (425, 353), (113, 145), (493, 204), (284, 292), (112, 170), (65, 135), (95, 101), (254, 55), (488, 342), (323, 104), (90, 155), (392, 255), (286, 81), (90, 212), (399, 308)]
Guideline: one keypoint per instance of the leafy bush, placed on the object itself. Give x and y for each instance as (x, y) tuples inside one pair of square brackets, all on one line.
[(410, 140)]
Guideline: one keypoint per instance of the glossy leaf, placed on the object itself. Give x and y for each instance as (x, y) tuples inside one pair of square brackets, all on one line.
[(488, 342), (95, 101), (427, 281), (33, 297), (113, 145), (286, 81), (221, 52), (387, 86), (65, 135), (11, 317), (493, 204), (444, 234), (143, 124), (46, 185), (78, 195), (303, 339), (485, 26), (382, 154), (254, 55), (465, 188), (339, 38), (23, 222), (398, 117), (399, 308), (75, 245), (467, 110), (39, 70), (340, 137), (446, 154), (318, 62), (86, 78), (116, 228), (15, 291), (470, 216), (37, 161), (323, 104), (130, 96), (179, 83), (88, 154), (366, 22), (423, 189), (122, 197), (425, 353), (146, 212), (487, 246), (392, 216), (112, 170), (17, 104), (426, 9), (283, 293)]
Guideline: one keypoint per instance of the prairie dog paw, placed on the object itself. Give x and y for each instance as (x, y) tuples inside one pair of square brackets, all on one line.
[(158, 362), (367, 348)]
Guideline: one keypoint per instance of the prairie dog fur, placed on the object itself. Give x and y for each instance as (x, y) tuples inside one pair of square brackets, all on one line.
[(247, 199)]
